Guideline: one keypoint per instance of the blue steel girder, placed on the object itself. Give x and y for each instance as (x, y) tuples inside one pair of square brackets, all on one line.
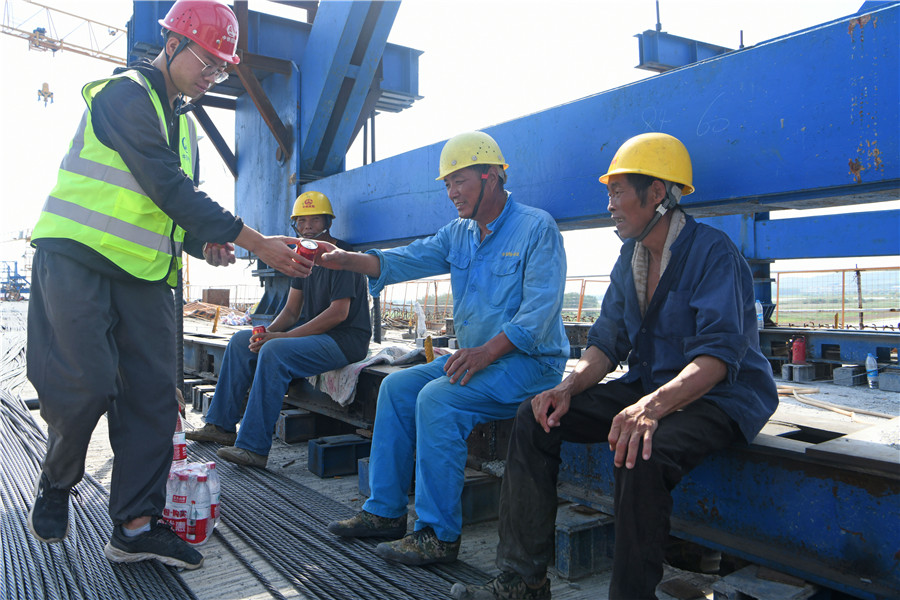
[(347, 42), (875, 233), (780, 503), (805, 120)]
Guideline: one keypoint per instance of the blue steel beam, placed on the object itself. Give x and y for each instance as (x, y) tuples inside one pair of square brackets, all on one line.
[(285, 39), (349, 40), (875, 233), (776, 504), (660, 51), (805, 120)]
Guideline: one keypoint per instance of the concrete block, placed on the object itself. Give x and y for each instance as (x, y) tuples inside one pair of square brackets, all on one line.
[(336, 455), (295, 425), (584, 543), (206, 401), (480, 497), (187, 389), (849, 376), (439, 341), (449, 327), (803, 373), (197, 396), (889, 380), (453, 343), (787, 371), (575, 351), (756, 583)]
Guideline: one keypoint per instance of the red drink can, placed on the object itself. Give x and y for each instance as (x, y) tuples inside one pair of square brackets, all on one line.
[(259, 329), (308, 249)]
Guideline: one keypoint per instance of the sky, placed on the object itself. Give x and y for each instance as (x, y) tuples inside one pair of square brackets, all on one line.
[(484, 62)]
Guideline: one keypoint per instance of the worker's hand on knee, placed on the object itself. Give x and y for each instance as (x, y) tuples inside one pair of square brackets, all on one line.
[(464, 363), (631, 434), (549, 407)]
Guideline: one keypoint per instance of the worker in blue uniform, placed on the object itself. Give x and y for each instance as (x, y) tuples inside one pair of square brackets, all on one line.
[(101, 317), (324, 325), (507, 272), (680, 309)]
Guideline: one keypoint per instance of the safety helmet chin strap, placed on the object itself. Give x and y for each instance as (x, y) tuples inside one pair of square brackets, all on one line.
[(182, 44), (673, 195)]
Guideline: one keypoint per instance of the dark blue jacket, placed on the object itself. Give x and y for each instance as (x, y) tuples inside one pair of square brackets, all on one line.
[(703, 304)]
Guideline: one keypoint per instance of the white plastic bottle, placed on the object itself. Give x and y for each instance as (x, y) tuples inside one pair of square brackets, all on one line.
[(759, 315), (872, 371), (179, 446), (198, 521), (180, 506), (171, 485), (215, 491)]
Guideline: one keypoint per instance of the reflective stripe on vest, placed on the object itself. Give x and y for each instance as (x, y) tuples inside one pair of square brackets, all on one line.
[(98, 202)]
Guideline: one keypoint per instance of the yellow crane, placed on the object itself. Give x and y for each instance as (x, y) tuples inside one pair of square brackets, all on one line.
[(43, 38)]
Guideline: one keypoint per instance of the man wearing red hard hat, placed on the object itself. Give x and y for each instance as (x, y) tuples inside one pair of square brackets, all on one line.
[(101, 317)]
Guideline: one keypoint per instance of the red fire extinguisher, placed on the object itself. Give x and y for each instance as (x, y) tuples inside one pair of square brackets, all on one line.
[(798, 350)]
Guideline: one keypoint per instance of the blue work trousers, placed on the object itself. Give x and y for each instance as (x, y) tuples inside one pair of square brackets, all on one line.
[(422, 422), (271, 370)]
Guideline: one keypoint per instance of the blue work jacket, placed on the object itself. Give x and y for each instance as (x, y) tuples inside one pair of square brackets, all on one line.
[(512, 282), (703, 304)]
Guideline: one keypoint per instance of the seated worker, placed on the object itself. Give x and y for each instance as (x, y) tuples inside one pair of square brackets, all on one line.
[(680, 309), (324, 325), (507, 272)]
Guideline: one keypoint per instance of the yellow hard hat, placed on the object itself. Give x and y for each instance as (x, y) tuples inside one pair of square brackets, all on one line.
[(654, 154), (311, 203), (467, 149)]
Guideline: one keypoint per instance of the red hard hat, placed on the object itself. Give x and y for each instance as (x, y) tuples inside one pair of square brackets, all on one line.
[(209, 23)]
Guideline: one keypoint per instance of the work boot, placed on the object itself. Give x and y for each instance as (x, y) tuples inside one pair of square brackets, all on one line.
[(48, 518), (212, 433), (419, 548), (161, 543), (241, 456), (506, 586), (365, 524)]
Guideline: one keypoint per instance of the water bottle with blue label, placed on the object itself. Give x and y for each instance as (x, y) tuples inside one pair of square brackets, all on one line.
[(872, 371)]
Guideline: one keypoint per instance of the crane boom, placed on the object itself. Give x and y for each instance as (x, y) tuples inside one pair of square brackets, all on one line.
[(44, 39)]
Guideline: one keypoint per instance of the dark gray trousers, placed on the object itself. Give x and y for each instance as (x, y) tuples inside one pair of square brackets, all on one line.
[(643, 500), (98, 345)]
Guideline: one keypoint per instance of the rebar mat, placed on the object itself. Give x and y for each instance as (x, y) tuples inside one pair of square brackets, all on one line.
[(75, 568), (286, 522)]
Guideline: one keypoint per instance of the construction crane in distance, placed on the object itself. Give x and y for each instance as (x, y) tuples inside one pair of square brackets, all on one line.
[(44, 38)]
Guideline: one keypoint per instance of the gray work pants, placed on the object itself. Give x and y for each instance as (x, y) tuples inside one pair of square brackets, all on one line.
[(99, 345), (643, 500)]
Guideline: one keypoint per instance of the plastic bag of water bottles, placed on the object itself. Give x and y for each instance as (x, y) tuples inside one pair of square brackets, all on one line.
[(192, 501)]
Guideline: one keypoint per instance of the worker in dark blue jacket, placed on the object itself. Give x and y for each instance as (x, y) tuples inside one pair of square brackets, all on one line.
[(681, 310)]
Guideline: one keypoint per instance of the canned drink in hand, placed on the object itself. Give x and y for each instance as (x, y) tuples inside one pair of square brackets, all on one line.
[(259, 329), (308, 249)]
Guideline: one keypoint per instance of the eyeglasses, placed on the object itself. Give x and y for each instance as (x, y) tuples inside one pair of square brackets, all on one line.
[(217, 73)]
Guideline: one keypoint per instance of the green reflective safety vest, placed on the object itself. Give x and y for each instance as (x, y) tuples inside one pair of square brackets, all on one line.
[(98, 202)]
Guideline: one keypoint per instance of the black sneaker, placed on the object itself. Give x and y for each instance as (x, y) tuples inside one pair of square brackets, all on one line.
[(48, 518), (161, 543)]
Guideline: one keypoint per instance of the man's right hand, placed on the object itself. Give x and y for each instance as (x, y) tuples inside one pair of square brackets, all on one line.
[(549, 407)]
